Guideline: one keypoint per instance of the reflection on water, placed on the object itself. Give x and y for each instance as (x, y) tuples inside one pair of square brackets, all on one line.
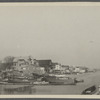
[(41, 89), (17, 89)]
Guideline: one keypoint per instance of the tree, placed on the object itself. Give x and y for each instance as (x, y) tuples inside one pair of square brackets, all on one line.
[(8, 62), (8, 59)]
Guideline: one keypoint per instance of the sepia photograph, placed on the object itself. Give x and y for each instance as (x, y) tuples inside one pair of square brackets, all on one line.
[(50, 49)]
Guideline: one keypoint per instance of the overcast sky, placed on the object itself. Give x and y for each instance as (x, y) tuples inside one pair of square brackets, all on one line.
[(68, 35)]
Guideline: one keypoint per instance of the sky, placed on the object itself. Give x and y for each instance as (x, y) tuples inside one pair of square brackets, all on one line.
[(66, 34)]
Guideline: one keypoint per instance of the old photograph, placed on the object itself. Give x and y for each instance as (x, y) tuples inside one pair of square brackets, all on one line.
[(49, 49)]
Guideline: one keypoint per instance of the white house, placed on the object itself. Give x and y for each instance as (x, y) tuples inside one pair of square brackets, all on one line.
[(77, 69), (58, 67)]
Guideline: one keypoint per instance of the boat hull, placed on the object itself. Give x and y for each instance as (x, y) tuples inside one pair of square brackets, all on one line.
[(60, 81)]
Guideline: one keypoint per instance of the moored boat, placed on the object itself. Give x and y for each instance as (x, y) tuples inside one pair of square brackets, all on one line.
[(60, 80), (90, 91), (18, 80)]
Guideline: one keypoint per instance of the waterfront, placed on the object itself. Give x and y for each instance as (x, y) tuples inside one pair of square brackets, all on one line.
[(90, 79)]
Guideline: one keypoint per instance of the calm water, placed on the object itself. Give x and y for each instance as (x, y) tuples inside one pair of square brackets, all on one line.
[(48, 89), (89, 80)]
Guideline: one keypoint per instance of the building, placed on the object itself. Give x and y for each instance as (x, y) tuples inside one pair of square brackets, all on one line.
[(20, 61), (58, 69), (80, 69), (77, 70), (47, 64), (27, 65), (65, 69)]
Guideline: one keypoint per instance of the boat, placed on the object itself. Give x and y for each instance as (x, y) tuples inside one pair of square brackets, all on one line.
[(60, 80), (90, 91), (18, 80), (41, 83)]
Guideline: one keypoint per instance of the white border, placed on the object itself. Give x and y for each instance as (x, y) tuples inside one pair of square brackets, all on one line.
[(50, 4), (27, 4), (52, 96)]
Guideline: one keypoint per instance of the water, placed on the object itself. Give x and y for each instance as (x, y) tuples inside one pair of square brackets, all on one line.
[(90, 79), (16, 89), (42, 89)]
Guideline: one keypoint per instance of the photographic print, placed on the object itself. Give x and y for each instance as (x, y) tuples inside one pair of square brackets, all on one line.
[(50, 49)]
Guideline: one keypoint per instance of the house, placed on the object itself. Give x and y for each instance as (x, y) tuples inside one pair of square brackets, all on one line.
[(65, 69), (47, 64), (77, 70), (80, 69), (20, 61), (29, 70), (26, 64), (33, 69), (83, 69), (58, 69)]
